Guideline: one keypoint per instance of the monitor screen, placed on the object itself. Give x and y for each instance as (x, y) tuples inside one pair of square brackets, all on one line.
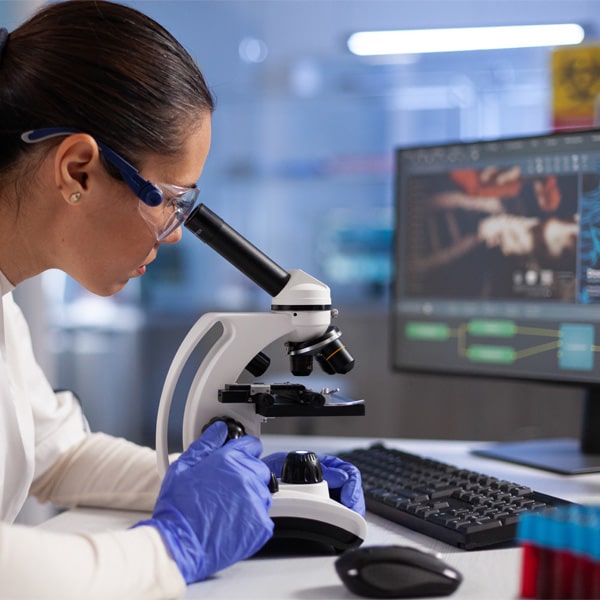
[(497, 258)]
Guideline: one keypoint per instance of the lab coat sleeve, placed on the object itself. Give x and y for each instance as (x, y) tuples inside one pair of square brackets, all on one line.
[(45, 565), (101, 471)]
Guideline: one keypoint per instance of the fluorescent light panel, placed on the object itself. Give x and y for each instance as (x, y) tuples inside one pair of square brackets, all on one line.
[(420, 41)]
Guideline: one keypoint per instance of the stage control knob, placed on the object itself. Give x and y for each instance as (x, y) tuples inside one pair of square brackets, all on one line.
[(301, 467), (235, 429)]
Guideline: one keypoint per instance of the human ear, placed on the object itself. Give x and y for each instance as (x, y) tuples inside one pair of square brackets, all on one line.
[(74, 160)]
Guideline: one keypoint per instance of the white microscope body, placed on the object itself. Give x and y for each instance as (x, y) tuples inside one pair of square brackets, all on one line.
[(301, 315)]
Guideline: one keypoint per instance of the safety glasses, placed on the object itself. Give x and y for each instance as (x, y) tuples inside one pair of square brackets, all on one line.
[(163, 206)]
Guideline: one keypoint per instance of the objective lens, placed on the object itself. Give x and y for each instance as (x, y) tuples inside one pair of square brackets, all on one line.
[(335, 358), (329, 351), (301, 365)]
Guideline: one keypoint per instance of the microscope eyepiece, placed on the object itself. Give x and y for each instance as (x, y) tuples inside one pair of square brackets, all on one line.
[(231, 245)]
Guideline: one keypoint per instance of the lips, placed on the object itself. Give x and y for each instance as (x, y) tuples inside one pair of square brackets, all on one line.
[(142, 268)]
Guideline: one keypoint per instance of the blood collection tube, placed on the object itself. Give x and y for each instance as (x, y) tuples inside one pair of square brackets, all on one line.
[(582, 579), (546, 557), (565, 560), (527, 536)]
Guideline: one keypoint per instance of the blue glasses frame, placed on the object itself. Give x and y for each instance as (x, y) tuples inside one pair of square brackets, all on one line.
[(145, 190), (177, 206)]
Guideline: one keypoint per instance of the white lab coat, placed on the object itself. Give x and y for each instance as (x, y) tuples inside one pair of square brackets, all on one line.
[(46, 450), (36, 425)]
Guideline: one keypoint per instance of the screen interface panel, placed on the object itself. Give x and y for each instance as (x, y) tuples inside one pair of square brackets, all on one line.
[(497, 258)]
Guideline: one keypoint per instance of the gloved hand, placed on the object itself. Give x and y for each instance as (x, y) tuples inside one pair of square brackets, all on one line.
[(213, 506), (343, 479)]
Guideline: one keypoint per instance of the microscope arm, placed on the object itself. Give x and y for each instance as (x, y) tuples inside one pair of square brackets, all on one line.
[(242, 334)]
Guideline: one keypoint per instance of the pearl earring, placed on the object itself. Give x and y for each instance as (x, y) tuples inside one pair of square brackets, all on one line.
[(74, 197)]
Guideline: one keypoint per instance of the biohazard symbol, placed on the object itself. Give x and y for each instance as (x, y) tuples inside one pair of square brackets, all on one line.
[(576, 77)]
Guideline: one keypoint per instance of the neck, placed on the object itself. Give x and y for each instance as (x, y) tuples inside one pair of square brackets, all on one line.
[(18, 255), (26, 239)]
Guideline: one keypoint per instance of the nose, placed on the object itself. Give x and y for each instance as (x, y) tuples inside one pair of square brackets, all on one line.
[(173, 237)]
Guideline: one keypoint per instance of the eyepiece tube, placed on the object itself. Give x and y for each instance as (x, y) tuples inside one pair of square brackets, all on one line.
[(237, 250)]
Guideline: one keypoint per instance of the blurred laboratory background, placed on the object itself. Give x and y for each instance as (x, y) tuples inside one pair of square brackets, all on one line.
[(301, 165)]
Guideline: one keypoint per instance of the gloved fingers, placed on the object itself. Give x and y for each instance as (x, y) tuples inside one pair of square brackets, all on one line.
[(275, 462), (255, 473), (335, 471), (243, 452), (248, 444), (353, 497), (335, 477), (211, 439), (344, 475), (334, 462)]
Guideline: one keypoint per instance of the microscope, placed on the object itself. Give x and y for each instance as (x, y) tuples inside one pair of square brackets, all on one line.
[(300, 316)]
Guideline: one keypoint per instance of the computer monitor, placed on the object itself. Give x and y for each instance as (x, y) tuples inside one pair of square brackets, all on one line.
[(497, 272)]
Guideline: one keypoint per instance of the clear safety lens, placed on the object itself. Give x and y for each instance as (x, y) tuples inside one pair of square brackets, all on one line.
[(172, 212)]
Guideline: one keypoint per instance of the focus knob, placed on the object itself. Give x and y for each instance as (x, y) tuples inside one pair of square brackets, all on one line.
[(301, 467), (235, 429)]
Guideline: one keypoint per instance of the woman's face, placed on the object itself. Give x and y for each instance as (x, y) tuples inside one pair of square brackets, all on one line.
[(113, 241)]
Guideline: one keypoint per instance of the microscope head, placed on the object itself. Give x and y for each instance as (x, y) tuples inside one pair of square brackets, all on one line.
[(308, 300), (305, 299)]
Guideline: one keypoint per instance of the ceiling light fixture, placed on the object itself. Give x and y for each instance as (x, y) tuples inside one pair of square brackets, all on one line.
[(419, 41)]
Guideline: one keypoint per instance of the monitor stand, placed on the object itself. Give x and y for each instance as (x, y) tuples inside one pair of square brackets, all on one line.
[(565, 456)]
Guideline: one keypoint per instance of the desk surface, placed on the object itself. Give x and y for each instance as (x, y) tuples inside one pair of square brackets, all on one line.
[(487, 574)]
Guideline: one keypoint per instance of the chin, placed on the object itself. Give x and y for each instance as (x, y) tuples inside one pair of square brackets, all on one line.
[(107, 291), (117, 288), (102, 287)]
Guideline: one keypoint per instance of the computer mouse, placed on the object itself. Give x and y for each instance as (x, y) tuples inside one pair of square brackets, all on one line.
[(396, 572)]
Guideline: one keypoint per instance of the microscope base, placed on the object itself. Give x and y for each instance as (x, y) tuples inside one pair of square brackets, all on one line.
[(303, 517), (308, 536)]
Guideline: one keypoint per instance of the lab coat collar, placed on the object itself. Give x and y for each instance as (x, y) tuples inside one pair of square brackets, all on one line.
[(5, 285)]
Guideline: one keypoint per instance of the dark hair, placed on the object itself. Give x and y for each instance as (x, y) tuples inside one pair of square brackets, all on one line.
[(102, 68)]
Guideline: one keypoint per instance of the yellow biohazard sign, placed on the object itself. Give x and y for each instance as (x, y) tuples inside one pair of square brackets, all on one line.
[(575, 86)]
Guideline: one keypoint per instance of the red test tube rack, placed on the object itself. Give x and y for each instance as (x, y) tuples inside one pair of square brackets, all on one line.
[(561, 553)]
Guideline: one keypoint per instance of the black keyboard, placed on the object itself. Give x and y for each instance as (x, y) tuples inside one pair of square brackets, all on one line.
[(458, 506)]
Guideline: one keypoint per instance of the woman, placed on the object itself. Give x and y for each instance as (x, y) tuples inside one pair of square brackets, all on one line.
[(87, 90)]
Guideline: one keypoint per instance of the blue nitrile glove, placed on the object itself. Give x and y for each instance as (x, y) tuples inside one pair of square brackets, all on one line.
[(213, 506), (342, 477)]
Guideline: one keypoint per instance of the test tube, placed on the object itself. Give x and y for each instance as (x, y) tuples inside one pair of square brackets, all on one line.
[(527, 533)]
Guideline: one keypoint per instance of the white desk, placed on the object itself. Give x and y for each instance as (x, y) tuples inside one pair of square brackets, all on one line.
[(488, 574)]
